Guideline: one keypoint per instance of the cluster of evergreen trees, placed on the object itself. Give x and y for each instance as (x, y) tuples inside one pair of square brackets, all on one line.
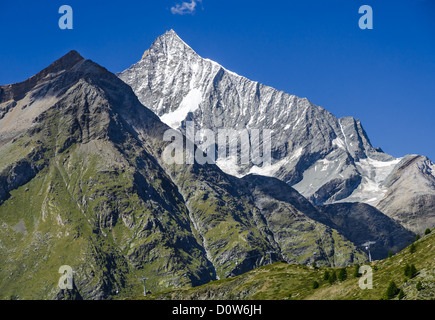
[(410, 271), (332, 277)]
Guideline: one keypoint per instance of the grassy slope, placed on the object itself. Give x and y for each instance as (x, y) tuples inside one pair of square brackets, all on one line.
[(45, 225), (282, 281), (64, 216)]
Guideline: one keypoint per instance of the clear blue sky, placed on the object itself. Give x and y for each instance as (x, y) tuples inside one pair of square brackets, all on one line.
[(313, 49)]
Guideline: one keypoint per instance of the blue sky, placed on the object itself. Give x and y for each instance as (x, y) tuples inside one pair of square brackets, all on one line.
[(313, 49)]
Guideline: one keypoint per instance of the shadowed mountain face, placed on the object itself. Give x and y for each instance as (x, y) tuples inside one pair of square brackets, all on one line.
[(362, 223), (358, 222), (84, 184), (326, 159)]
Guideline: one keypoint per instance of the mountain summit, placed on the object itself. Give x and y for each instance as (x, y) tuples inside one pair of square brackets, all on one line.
[(15, 91), (328, 160)]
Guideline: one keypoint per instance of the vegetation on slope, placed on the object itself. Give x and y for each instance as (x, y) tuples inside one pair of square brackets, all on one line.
[(281, 281)]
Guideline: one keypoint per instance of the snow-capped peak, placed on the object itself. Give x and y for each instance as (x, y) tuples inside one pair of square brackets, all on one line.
[(178, 85)]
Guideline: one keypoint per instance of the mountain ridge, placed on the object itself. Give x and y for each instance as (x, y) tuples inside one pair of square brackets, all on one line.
[(161, 49), (14, 91), (327, 159)]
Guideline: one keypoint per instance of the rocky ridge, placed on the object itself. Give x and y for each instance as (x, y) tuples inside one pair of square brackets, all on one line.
[(327, 159), (84, 184)]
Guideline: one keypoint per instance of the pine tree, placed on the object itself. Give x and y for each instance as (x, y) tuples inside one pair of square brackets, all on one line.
[(417, 237), (333, 277), (419, 286), (326, 276), (412, 271), (391, 290), (427, 231), (407, 270), (356, 273), (390, 254), (412, 248), (342, 275), (401, 295), (315, 285)]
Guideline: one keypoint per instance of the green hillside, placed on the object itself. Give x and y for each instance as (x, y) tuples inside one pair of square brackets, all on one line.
[(281, 281)]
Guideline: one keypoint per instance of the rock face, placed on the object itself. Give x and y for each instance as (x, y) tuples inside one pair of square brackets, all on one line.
[(84, 184), (328, 160), (358, 222), (362, 224), (411, 194), (313, 151), (294, 224)]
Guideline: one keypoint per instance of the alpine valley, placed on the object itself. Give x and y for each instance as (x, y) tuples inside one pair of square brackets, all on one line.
[(84, 182)]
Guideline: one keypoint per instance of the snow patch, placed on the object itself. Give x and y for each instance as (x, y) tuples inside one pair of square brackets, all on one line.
[(339, 143), (344, 135), (271, 169), (229, 166), (190, 103), (325, 163), (374, 173), (296, 155), (376, 170), (268, 170)]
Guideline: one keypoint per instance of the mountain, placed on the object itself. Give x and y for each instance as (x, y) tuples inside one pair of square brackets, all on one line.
[(411, 193), (358, 222), (84, 183), (328, 160)]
